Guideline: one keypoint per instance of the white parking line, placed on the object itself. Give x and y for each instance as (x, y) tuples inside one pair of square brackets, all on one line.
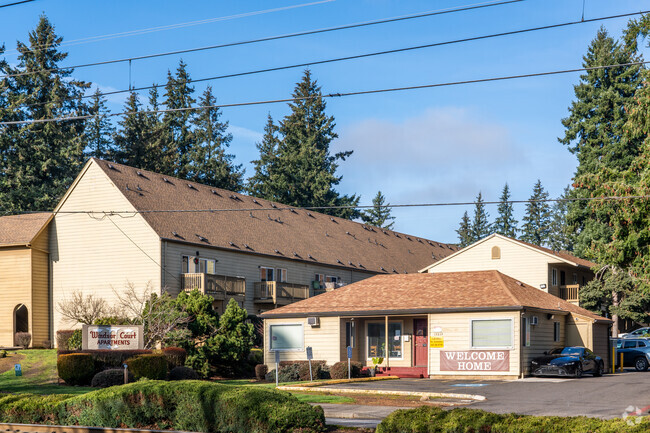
[(545, 379)]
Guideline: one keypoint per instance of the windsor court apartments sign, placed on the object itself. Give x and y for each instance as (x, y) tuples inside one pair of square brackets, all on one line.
[(98, 337)]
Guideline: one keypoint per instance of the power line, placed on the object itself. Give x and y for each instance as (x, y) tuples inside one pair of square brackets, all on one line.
[(330, 95), (273, 38), (316, 208), (170, 26), (354, 57), (15, 3)]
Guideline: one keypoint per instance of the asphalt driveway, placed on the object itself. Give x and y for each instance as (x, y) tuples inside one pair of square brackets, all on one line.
[(604, 397)]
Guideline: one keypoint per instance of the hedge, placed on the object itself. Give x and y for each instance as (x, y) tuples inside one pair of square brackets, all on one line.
[(183, 373), (110, 377), (105, 359), (76, 368), (31, 409), (149, 366), (340, 370), (175, 356), (435, 420)]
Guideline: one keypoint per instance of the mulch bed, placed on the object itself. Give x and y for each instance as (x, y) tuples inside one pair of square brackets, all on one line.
[(7, 363)]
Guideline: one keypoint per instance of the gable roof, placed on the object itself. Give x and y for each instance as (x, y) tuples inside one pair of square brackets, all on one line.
[(213, 217), (428, 293), (562, 256), (22, 229)]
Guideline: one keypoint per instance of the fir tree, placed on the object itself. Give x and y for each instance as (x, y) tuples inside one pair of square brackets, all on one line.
[(304, 171), (594, 128), (464, 231), (480, 225), (42, 159), (560, 237), (506, 224), (537, 220), (260, 183), (380, 214), (211, 164), (158, 160), (130, 140), (99, 130)]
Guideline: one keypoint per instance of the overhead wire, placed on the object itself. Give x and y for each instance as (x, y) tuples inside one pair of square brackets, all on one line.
[(273, 38), (330, 95), (6, 5), (346, 58)]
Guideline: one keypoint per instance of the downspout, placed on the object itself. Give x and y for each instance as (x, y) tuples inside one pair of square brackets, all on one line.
[(386, 352), (522, 339), (163, 255)]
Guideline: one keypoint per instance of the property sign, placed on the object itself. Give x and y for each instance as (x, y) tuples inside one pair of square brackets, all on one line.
[(127, 337), (475, 360), (18, 369), (310, 353), (437, 342)]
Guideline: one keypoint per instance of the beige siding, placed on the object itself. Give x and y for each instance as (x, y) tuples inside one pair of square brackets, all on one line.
[(235, 264), (40, 298), (541, 337), (456, 330), (578, 332), (99, 253), (601, 345), (15, 289), (323, 339)]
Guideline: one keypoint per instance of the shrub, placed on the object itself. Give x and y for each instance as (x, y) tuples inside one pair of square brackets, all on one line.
[(175, 356), (183, 373), (105, 359), (428, 419), (74, 342), (23, 339), (111, 377), (62, 338), (317, 370), (193, 406), (112, 321), (76, 368), (150, 366), (47, 344), (288, 373), (340, 370), (256, 356), (30, 409), (260, 371)]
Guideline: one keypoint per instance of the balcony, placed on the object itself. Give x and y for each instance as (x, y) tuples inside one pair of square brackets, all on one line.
[(218, 286), (570, 293), (279, 293)]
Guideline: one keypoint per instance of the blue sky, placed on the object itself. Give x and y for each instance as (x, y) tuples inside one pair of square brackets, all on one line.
[(433, 145)]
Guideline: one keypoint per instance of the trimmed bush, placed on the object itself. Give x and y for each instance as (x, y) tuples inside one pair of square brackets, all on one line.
[(288, 373), (428, 419), (193, 406), (175, 356), (340, 370), (151, 366), (112, 377), (30, 409), (183, 373), (74, 342), (256, 356), (23, 339), (76, 368), (62, 338), (105, 359), (260, 371), (318, 370)]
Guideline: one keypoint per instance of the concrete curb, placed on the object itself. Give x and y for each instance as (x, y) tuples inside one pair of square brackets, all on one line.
[(423, 395)]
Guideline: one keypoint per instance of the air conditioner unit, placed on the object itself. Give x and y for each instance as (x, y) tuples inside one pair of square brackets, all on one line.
[(313, 321), (533, 320)]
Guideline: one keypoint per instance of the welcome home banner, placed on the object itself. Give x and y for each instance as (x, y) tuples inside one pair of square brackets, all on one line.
[(475, 360)]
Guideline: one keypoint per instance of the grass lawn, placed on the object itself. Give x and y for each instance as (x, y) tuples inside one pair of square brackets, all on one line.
[(39, 374)]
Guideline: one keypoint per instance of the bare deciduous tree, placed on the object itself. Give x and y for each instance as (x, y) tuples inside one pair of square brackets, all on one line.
[(83, 309)]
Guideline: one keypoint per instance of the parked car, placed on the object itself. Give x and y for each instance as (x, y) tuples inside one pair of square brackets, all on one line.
[(636, 353), (567, 361), (637, 333)]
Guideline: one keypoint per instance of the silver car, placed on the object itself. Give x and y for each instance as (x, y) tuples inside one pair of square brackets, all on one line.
[(637, 333)]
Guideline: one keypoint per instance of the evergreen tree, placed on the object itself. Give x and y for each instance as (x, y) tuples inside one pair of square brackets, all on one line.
[(480, 225), (464, 231), (260, 184), (506, 224), (211, 164), (594, 128), (41, 159), (177, 124), (155, 138), (537, 220), (99, 130), (380, 214), (560, 237), (304, 171), (130, 140)]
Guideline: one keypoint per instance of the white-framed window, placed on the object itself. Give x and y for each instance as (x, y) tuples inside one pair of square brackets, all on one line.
[(350, 334), (556, 331), (491, 333), (554, 277), (331, 279), (376, 339), (281, 275), (267, 274), (525, 334), (198, 265), (319, 277), (287, 337)]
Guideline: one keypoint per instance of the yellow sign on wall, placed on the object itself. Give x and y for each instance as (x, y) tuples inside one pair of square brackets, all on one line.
[(435, 341)]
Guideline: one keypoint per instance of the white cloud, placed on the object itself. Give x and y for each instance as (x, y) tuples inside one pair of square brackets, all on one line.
[(245, 134)]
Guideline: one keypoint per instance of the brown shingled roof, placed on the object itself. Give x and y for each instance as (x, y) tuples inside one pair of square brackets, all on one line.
[(478, 290), (21, 229), (565, 255), (254, 225)]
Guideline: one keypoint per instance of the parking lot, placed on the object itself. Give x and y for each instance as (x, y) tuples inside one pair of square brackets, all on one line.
[(604, 397)]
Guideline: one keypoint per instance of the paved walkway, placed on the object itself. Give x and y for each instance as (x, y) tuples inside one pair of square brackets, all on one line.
[(356, 415)]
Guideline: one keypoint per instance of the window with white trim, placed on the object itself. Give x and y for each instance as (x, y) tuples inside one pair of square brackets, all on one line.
[(198, 265), (331, 279), (491, 333), (376, 340), (287, 337), (267, 274), (319, 277), (554, 277), (281, 275)]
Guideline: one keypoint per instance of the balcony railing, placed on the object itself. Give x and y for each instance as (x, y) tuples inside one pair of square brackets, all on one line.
[(570, 292), (280, 293), (217, 286)]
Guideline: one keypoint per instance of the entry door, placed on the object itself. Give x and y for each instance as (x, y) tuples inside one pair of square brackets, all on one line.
[(421, 352)]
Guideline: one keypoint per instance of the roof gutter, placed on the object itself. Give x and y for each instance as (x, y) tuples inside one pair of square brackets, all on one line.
[(395, 312)]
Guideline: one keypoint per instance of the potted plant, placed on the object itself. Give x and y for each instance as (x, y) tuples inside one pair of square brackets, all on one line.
[(375, 361)]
